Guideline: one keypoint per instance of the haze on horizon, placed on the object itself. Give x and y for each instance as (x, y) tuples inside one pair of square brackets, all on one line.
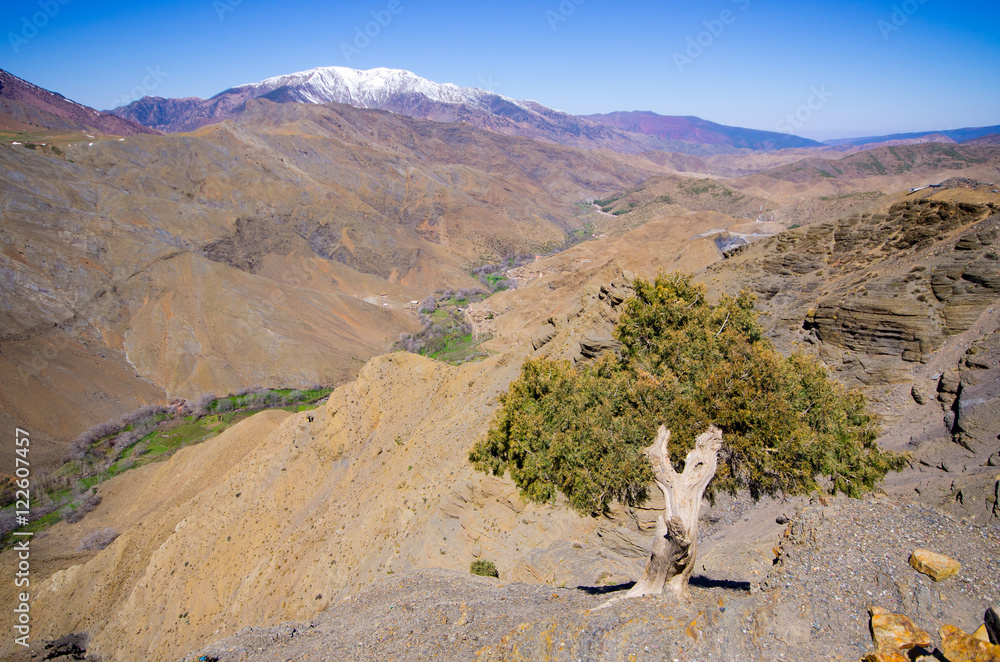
[(824, 70)]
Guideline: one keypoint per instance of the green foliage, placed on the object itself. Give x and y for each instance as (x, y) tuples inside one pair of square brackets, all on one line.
[(150, 434), (687, 364), (574, 432), (484, 569), (607, 202)]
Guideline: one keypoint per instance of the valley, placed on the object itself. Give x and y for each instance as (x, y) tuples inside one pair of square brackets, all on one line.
[(291, 243)]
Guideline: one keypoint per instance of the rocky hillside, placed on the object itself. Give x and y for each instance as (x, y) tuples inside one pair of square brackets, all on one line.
[(316, 519), (280, 250), (909, 163), (904, 301), (830, 563), (27, 107), (383, 465)]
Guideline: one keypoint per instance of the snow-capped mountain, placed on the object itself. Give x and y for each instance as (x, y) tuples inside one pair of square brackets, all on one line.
[(406, 93), (374, 88)]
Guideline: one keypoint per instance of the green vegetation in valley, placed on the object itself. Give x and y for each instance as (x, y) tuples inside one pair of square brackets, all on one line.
[(687, 364), (702, 186), (862, 195), (150, 434), (446, 335)]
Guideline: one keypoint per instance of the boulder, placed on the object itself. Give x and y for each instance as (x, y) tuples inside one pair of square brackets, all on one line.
[(957, 646), (895, 631), (934, 565), (992, 626)]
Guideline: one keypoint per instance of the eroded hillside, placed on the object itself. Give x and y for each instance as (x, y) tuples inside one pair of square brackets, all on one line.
[(280, 250), (311, 517)]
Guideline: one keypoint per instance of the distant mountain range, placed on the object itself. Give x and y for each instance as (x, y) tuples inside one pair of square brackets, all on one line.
[(27, 107), (950, 135), (405, 93), (696, 130)]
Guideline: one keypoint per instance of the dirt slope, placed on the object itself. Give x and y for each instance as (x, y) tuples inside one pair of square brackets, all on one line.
[(283, 250)]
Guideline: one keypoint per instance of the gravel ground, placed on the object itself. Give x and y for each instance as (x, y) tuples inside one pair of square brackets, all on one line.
[(833, 562)]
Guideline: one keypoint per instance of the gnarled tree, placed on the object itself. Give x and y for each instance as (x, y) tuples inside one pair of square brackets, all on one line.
[(740, 416)]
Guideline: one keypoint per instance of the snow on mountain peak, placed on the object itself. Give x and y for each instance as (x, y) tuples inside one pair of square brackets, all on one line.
[(369, 88)]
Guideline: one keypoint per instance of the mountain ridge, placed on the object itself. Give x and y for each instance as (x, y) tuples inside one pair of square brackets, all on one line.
[(957, 135), (24, 105), (686, 127), (406, 93)]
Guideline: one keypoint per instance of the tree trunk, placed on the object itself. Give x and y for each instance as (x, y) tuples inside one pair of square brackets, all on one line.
[(676, 539)]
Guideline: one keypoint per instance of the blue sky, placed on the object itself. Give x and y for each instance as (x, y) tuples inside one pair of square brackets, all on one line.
[(822, 69)]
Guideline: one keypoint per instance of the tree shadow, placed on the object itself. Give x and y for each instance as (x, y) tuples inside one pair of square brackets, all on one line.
[(602, 590), (701, 581)]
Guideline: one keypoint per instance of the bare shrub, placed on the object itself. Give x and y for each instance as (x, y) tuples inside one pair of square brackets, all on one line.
[(126, 439), (428, 305), (143, 413), (78, 447), (8, 522), (98, 539), (48, 483), (83, 507), (200, 407), (43, 509)]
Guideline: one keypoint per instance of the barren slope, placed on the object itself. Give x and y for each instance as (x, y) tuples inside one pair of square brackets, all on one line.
[(376, 482), (282, 250), (286, 515)]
